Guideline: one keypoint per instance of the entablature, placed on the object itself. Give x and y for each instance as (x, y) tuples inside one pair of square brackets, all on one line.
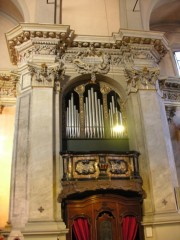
[(49, 39)]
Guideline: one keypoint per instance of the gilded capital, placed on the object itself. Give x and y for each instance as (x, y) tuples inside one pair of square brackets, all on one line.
[(141, 78), (47, 76)]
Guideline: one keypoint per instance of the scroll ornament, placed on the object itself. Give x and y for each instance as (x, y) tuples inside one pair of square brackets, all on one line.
[(92, 62), (141, 78)]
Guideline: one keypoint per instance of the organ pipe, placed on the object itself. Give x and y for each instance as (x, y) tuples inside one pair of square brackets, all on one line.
[(94, 121)]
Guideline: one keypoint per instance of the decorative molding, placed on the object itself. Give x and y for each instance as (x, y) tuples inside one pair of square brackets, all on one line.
[(74, 187), (170, 88), (48, 39), (45, 38), (47, 76), (92, 61), (45, 48), (8, 88), (144, 78)]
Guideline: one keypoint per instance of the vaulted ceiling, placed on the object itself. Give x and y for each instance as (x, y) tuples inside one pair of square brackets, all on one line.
[(11, 9), (166, 16)]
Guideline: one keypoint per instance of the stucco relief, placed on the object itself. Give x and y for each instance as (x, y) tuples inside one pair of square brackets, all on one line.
[(92, 61), (141, 78), (47, 76)]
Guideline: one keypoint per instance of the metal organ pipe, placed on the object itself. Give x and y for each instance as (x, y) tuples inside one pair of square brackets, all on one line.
[(94, 118), (72, 119), (96, 114), (113, 112), (94, 121)]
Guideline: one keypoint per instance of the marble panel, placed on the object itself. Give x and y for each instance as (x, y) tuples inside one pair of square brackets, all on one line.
[(41, 169)]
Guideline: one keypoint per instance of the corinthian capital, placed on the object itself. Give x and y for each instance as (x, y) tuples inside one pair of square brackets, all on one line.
[(141, 78), (47, 76)]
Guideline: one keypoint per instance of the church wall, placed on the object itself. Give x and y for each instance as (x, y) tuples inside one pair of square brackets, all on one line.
[(97, 20), (6, 143)]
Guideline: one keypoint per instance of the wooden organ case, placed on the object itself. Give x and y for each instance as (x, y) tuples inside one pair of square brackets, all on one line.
[(101, 182)]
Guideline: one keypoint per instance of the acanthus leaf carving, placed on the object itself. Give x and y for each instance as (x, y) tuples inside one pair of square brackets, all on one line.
[(47, 76), (144, 78)]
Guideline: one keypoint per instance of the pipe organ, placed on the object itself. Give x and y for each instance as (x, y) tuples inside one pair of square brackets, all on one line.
[(98, 111)]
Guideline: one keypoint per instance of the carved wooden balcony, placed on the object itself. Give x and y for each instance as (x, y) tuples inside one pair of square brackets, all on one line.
[(87, 172)]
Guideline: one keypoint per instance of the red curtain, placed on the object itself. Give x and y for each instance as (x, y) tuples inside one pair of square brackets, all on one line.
[(129, 228), (81, 229)]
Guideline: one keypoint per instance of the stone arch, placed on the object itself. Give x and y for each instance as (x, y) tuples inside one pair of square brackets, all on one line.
[(147, 9), (112, 81), (164, 16), (23, 9), (12, 10)]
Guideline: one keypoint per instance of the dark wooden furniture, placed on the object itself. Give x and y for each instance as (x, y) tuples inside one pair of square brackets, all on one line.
[(104, 213)]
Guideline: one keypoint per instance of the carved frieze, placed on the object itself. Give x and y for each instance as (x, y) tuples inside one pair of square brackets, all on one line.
[(92, 62), (170, 89), (45, 48), (144, 78), (47, 76)]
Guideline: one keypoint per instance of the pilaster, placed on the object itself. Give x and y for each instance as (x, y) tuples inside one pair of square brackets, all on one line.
[(153, 141), (35, 176)]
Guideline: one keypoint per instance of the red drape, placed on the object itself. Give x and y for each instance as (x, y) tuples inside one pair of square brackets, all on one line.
[(129, 228), (81, 229)]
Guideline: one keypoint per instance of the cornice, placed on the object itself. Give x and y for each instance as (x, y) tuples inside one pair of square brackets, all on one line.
[(44, 32), (63, 37), (170, 88)]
